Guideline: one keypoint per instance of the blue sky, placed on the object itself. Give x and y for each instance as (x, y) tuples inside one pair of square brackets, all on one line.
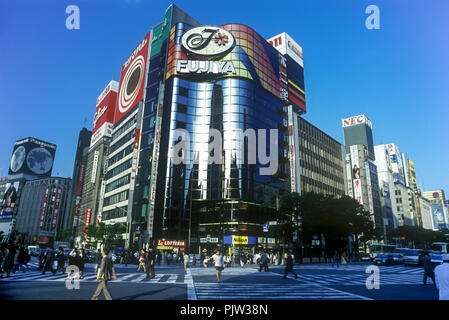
[(50, 77)]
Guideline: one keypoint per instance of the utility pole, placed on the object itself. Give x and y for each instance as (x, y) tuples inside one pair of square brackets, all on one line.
[(128, 227)]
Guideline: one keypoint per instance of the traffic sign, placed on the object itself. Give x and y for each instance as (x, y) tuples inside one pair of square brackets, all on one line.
[(265, 228)]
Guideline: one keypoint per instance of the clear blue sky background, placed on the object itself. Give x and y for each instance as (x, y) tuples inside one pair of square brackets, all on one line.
[(50, 77)]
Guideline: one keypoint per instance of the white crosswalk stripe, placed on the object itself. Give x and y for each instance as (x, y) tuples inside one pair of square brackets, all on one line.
[(235, 291), (132, 277), (357, 267)]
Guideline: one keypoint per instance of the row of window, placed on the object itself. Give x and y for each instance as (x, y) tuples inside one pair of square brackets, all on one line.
[(114, 213), (121, 142), (120, 155), (116, 198), (117, 183), (120, 168), (125, 127)]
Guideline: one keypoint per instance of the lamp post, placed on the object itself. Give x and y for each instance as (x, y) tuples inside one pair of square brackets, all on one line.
[(128, 227)]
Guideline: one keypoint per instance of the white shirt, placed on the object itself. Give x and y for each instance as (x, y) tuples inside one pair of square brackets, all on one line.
[(442, 280), (218, 260)]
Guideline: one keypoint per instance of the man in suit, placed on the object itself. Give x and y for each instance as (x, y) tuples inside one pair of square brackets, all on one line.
[(49, 258), (150, 258), (289, 266), (106, 272)]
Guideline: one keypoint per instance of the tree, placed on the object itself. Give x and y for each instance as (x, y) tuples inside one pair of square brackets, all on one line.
[(420, 237), (105, 234), (68, 235)]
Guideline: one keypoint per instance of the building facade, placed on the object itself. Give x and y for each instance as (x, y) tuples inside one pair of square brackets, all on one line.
[(363, 184), (44, 210), (439, 209)]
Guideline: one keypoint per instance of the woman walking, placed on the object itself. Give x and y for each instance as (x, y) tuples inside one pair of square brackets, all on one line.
[(219, 264), (142, 261), (81, 261)]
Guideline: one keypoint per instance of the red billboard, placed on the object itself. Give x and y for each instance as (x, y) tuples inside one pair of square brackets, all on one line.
[(104, 112), (132, 78), (56, 208)]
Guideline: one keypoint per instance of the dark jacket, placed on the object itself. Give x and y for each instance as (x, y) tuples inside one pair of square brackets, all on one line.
[(150, 256), (98, 258), (289, 262), (428, 265), (8, 263), (49, 257), (106, 270)]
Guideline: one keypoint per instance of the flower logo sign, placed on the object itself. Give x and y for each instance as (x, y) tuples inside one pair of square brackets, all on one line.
[(208, 41), (221, 39)]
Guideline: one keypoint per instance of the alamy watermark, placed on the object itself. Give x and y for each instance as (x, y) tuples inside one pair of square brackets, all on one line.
[(73, 20), (373, 280), (181, 152), (373, 20), (73, 283)]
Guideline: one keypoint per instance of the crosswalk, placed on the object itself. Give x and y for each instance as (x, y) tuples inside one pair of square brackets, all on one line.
[(235, 291), (126, 278), (360, 279), (399, 269)]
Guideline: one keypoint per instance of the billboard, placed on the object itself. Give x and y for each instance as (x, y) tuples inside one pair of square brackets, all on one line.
[(9, 200), (397, 167), (104, 112), (352, 121), (439, 220), (287, 46), (32, 156), (132, 78), (356, 174)]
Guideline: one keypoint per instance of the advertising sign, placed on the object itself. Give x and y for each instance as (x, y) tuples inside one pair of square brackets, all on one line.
[(9, 200), (439, 220), (95, 166), (132, 78), (79, 187), (239, 240), (208, 41), (44, 208), (356, 174), (397, 167), (104, 113), (170, 244), (287, 46), (352, 121), (32, 156), (56, 208)]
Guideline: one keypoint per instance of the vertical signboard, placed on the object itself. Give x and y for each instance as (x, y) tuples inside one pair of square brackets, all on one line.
[(95, 166), (56, 208), (357, 182), (44, 208), (87, 220), (79, 187), (132, 78)]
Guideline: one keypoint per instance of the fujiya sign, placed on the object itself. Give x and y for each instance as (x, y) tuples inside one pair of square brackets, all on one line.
[(208, 41), (213, 67)]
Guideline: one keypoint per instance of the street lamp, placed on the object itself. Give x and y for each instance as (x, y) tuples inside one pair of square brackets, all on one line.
[(128, 227)]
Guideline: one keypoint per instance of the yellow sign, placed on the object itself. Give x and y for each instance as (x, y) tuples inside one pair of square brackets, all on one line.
[(240, 240)]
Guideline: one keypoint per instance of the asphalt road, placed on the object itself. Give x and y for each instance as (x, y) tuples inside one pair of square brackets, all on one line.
[(315, 282)]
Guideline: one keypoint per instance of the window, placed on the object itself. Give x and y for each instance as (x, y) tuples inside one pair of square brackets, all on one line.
[(117, 183), (120, 168), (116, 198)]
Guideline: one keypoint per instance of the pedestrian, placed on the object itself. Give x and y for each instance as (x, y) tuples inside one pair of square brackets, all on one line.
[(61, 258), (142, 261), (41, 259), (48, 260), (82, 259), (335, 259), (428, 268), (217, 259), (343, 258), (159, 258), (289, 266), (21, 260), (149, 261), (8, 261), (105, 273), (442, 278), (186, 261), (98, 257), (242, 260), (263, 263)]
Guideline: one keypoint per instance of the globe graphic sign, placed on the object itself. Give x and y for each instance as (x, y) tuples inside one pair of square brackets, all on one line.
[(18, 157), (39, 160)]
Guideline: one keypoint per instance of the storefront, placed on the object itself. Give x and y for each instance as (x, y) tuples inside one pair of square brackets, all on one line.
[(171, 245)]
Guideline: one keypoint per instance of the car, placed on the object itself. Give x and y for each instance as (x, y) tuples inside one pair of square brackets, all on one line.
[(413, 257), (366, 257)]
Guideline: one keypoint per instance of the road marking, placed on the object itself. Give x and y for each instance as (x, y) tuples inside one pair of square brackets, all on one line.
[(191, 293)]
